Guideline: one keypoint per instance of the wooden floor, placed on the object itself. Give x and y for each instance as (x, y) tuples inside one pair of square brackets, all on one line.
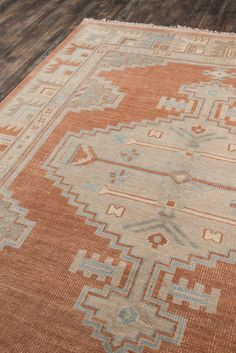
[(30, 29)]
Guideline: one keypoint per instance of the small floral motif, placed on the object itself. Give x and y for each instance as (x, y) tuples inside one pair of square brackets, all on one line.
[(198, 129), (157, 240), (117, 177), (128, 315), (130, 155)]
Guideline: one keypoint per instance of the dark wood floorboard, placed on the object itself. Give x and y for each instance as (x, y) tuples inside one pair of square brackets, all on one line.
[(31, 29)]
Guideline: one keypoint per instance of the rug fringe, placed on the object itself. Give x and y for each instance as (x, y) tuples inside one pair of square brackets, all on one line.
[(150, 25)]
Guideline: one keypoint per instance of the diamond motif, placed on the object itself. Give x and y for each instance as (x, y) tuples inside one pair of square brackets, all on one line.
[(181, 177)]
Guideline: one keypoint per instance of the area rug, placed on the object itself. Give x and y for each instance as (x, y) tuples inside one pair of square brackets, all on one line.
[(118, 195)]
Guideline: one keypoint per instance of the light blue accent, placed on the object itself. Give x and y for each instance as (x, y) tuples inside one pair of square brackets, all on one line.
[(212, 92), (22, 219), (90, 186), (189, 295), (96, 38), (119, 138), (142, 343), (128, 315), (151, 38), (176, 105), (231, 113), (92, 266), (174, 264)]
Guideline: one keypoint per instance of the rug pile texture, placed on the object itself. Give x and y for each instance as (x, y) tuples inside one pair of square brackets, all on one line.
[(118, 195)]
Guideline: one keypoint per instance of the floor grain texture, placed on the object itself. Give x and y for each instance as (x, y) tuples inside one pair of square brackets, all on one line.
[(31, 29)]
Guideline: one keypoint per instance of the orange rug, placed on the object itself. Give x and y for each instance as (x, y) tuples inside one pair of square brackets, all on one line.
[(118, 195)]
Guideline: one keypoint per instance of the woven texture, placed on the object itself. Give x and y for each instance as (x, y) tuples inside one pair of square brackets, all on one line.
[(118, 195)]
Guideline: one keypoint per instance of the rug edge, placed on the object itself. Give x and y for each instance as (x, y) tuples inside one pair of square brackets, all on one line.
[(85, 20), (159, 27)]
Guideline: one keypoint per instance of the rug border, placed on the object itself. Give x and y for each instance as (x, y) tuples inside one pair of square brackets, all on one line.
[(44, 61), (186, 30)]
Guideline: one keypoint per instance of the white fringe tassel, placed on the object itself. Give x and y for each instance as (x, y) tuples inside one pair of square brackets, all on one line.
[(169, 28)]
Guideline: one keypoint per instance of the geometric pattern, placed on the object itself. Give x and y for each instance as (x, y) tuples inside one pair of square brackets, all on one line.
[(118, 195), (154, 186), (14, 227)]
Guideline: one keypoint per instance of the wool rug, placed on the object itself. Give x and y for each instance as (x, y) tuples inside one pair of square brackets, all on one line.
[(118, 195)]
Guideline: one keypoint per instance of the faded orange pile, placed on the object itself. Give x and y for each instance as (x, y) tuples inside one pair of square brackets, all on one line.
[(118, 195)]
